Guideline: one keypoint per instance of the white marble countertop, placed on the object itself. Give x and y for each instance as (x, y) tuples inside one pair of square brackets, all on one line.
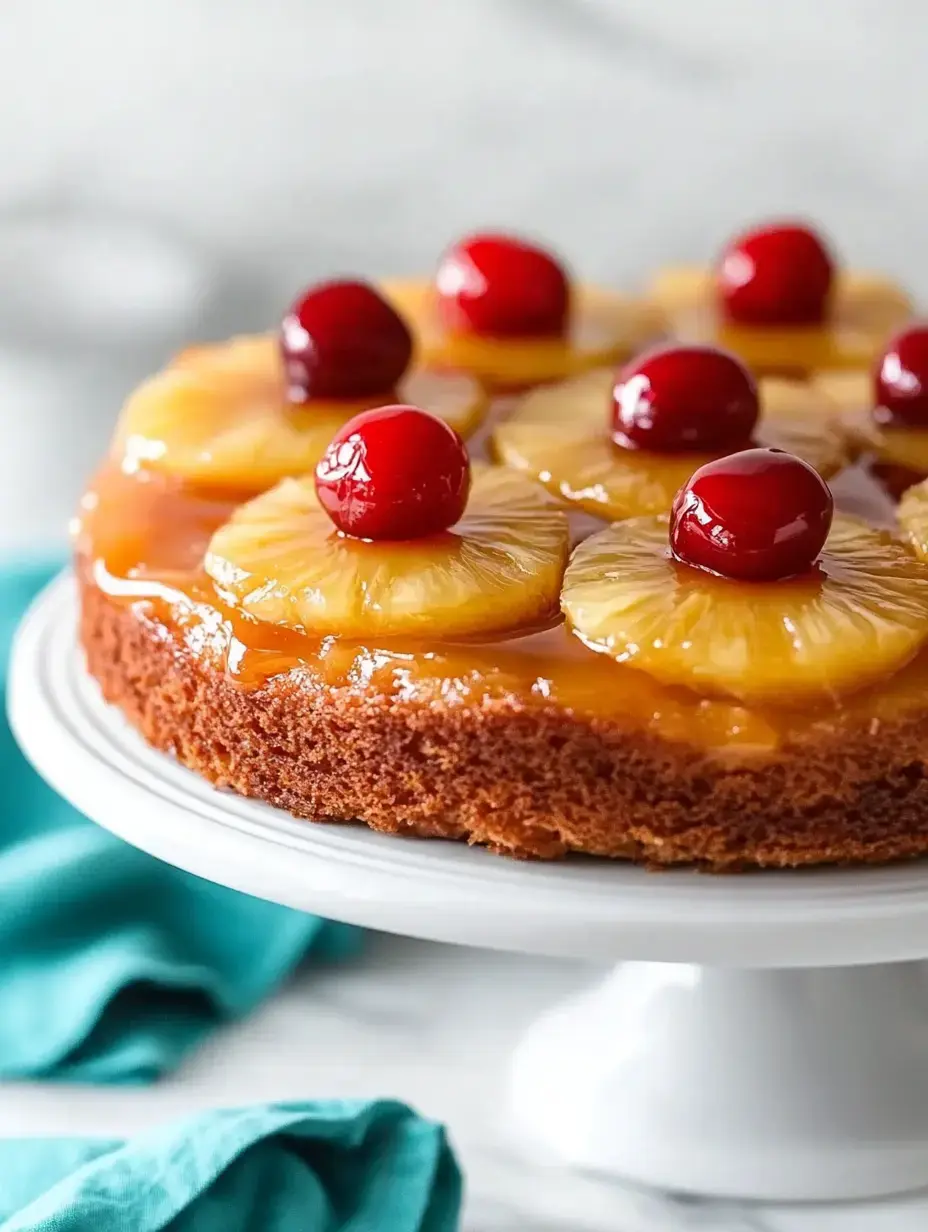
[(432, 1025)]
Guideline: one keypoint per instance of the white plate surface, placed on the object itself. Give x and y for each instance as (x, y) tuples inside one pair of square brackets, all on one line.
[(444, 891)]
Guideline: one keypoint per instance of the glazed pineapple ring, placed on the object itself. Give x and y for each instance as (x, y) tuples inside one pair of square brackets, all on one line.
[(866, 308), (913, 518), (280, 559), (218, 416), (858, 618), (560, 435), (853, 395), (606, 327)]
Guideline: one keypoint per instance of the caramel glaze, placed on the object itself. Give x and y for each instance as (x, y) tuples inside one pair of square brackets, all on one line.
[(142, 538)]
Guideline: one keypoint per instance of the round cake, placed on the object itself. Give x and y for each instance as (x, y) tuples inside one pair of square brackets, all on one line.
[(666, 614)]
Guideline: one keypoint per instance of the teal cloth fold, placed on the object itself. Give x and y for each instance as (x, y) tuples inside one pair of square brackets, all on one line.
[(333, 1166), (112, 964)]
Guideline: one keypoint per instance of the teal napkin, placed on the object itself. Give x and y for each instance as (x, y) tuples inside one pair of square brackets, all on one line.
[(112, 964), (334, 1166)]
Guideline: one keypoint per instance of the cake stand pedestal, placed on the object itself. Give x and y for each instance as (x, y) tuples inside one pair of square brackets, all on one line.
[(763, 1036)]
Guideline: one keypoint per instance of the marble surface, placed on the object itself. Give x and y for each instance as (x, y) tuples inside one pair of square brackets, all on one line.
[(432, 1025), (302, 135)]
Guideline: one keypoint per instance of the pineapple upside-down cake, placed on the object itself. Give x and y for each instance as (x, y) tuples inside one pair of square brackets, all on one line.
[(663, 613)]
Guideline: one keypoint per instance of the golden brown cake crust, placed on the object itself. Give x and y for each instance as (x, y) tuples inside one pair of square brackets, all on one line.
[(526, 780)]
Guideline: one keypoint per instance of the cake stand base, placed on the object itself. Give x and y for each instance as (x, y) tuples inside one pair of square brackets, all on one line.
[(779, 1085)]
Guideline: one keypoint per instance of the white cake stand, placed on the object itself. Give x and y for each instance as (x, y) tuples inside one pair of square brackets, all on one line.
[(770, 1040)]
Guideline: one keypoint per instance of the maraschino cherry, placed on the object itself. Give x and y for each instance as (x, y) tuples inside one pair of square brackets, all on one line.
[(901, 379), (499, 286), (757, 516), (680, 398), (394, 473), (342, 340), (780, 274)]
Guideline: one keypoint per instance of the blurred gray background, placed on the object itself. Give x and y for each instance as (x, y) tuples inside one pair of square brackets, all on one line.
[(181, 167)]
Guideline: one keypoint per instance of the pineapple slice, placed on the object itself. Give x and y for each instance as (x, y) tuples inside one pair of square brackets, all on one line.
[(560, 435), (605, 327), (913, 518), (281, 560), (852, 395), (866, 309), (218, 416), (860, 617)]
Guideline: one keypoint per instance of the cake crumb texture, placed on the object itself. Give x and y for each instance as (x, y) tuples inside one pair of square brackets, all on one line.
[(528, 781)]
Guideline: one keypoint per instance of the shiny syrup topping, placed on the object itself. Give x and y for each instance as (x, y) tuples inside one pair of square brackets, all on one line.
[(343, 340), (394, 473), (681, 398), (780, 274), (500, 286), (901, 380), (757, 516), (144, 539)]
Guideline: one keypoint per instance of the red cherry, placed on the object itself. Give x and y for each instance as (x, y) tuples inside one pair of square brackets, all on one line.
[(343, 340), (394, 473), (503, 287), (682, 398), (901, 394), (757, 516), (776, 275)]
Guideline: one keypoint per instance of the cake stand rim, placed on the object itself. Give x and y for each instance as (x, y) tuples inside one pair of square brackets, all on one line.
[(430, 888)]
